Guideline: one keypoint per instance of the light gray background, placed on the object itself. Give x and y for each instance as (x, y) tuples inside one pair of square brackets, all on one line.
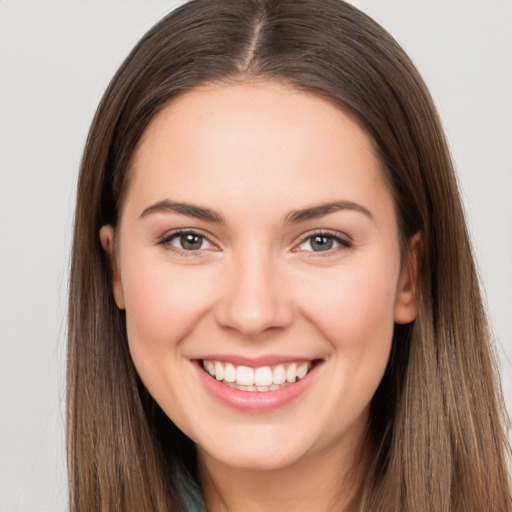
[(56, 58)]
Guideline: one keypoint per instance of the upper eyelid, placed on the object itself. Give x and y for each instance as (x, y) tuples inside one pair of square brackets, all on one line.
[(185, 231), (326, 232)]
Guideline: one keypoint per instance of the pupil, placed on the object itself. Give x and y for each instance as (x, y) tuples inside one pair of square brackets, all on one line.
[(321, 243), (191, 242)]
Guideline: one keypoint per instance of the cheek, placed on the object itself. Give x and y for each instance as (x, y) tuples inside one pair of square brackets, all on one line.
[(353, 307), (162, 307), (356, 315), (354, 311)]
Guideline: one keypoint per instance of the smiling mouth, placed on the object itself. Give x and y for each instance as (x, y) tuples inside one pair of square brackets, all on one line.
[(263, 378)]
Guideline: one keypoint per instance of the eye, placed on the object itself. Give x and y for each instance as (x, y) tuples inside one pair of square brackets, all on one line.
[(322, 242), (189, 241)]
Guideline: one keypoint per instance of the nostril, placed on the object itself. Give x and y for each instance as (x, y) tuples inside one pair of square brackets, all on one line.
[(253, 317)]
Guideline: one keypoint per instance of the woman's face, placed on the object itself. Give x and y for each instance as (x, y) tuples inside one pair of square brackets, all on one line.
[(259, 265)]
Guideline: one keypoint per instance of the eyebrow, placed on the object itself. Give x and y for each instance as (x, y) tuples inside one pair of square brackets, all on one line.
[(294, 217), (314, 212), (190, 210)]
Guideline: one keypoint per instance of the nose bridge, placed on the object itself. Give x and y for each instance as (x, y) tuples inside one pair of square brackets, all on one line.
[(253, 299)]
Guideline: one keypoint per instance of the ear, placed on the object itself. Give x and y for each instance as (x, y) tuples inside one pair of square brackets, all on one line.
[(406, 304), (107, 241)]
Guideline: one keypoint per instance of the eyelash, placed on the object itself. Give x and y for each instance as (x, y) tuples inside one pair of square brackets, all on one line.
[(168, 238), (343, 242)]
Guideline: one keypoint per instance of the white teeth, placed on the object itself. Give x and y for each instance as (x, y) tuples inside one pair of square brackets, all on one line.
[(263, 376), (302, 370), (260, 379), (229, 373), (244, 376), (219, 371), (279, 375), (291, 373)]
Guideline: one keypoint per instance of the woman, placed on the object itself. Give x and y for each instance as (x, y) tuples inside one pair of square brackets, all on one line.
[(273, 300)]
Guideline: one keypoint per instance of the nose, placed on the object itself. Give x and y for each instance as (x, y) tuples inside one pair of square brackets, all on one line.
[(253, 298)]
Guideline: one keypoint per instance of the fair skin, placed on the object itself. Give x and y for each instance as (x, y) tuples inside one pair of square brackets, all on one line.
[(260, 278)]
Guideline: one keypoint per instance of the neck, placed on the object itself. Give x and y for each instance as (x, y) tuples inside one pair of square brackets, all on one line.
[(322, 482)]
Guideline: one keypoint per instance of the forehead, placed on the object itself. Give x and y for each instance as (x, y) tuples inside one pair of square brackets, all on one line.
[(258, 142), (253, 108)]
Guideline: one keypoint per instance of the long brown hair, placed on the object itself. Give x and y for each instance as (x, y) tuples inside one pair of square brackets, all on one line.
[(437, 419)]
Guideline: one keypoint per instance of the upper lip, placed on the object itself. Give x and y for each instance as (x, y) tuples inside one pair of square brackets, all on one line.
[(255, 362)]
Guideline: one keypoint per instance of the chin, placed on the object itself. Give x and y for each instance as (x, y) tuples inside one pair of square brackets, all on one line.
[(262, 450), (253, 460)]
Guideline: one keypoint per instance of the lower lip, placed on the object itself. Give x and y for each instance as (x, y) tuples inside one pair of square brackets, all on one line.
[(255, 401)]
